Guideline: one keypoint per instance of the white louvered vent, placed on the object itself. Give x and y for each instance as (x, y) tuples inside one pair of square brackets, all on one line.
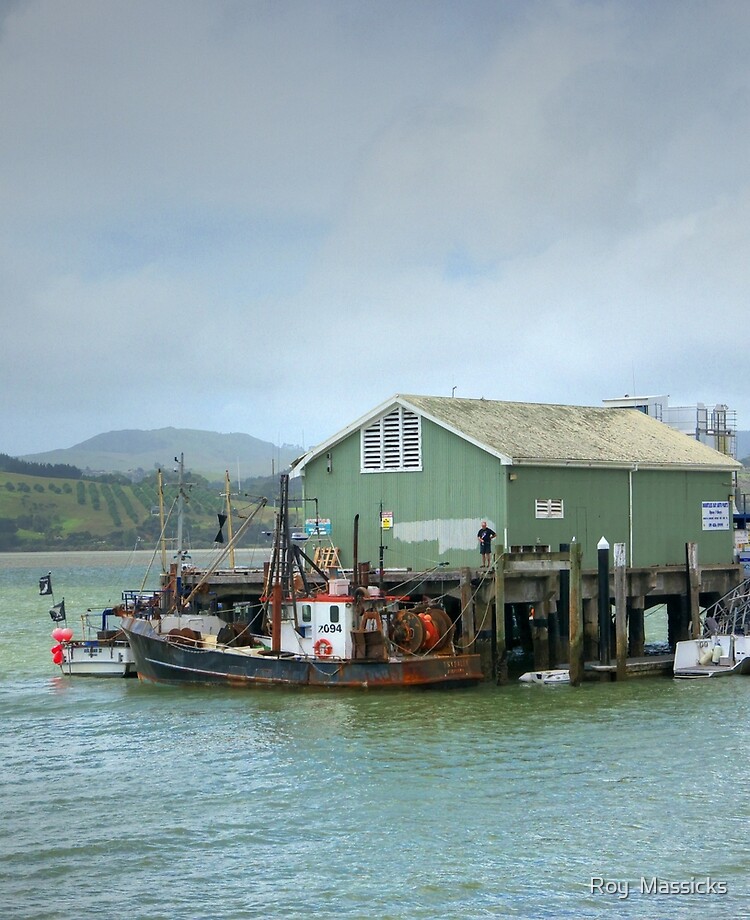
[(549, 508), (392, 443)]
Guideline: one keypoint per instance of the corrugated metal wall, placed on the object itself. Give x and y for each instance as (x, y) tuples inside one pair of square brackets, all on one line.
[(666, 512), (437, 511)]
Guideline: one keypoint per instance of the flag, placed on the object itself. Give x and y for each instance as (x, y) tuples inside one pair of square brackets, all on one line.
[(45, 584), (57, 613), (219, 538)]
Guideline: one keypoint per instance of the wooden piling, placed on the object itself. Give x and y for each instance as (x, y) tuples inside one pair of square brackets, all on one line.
[(500, 650), (621, 620), (468, 632), (694, 587), (575, 616)]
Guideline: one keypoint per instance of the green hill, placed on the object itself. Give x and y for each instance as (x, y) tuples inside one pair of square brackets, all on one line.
[(207, 452), (41, 513)]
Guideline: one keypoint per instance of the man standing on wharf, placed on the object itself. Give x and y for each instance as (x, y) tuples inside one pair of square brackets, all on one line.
[(485, 535)]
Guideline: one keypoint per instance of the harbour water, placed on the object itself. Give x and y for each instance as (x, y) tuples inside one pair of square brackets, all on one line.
[(123, 799)]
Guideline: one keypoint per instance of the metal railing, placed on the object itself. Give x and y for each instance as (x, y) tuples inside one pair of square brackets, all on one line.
[(732, 612)]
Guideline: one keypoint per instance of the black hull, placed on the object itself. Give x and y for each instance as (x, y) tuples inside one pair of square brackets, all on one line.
[(157, 659)]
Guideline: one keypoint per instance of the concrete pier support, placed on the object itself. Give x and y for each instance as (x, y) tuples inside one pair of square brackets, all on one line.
[(590, 628), (637, 630)]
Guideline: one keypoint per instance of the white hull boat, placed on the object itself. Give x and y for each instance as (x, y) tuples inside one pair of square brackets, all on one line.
[(555, 676), (712, 656), (98, 658)]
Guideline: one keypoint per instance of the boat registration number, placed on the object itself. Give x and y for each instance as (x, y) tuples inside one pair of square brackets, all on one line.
[(329, 627)]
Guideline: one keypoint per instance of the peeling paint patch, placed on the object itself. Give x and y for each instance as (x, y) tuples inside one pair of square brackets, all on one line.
[(450, 533)]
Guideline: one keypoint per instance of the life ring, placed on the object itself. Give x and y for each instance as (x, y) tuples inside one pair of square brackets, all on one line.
[(323, 648)]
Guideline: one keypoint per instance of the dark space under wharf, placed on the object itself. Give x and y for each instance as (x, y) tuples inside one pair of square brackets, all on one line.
[(551, 606)]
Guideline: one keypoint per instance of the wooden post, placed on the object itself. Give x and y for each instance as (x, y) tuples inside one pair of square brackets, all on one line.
[(575, 615), (621, 613), (694, 585), (500, 650), (468, 632), (602, 552)]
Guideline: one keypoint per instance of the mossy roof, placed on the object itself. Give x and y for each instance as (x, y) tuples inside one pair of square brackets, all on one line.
[(553, 435)]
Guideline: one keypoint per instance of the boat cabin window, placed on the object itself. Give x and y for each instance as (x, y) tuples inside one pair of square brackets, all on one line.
[(334, 613), (306, 613)]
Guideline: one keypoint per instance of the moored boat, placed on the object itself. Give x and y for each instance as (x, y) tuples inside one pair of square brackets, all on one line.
[(712, 656), (101, 651), (554, 676), (339, 639), (338, 634), (724, 649)]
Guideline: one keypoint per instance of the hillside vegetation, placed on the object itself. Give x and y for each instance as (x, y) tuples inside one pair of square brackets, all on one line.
[(43, 513)]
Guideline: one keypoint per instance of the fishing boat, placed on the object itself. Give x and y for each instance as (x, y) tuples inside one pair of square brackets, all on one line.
[(331, 632), (102, 649)]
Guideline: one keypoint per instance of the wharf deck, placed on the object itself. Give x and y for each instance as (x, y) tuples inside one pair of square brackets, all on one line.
[(642, 666)]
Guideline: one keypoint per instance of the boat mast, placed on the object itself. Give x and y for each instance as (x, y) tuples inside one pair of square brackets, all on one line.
[(229, 518), (180, 505), (280, 573), (162, 538)]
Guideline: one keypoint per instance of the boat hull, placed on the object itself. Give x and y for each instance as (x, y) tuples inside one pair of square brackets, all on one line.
[(157, 659)]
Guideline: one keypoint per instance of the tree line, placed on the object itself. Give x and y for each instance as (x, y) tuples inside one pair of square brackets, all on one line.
[(10, 464)]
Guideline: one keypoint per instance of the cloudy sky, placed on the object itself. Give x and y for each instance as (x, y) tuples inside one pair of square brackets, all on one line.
[(269, 216)]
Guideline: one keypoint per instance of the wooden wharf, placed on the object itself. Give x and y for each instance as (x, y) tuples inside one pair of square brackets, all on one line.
[(552, 607)]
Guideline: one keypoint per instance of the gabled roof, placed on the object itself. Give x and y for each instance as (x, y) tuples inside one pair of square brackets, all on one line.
[(552, 435)]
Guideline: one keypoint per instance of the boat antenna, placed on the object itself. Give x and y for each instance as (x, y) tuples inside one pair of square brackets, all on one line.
[(355, 554), (382, 550)]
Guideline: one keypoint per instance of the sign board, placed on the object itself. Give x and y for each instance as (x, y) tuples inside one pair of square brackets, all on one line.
[(318, 527), (715, 515), (386, 520)]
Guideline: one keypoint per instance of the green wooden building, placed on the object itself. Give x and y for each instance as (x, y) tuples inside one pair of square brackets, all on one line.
[(431, 469)]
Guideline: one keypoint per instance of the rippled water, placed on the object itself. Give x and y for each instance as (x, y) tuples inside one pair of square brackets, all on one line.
[(122, 799)]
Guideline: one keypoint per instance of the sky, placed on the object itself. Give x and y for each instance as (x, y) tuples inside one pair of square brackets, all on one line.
[(269, 216)]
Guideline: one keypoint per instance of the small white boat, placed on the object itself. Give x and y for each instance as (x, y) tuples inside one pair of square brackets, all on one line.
[(103, 651), (555, 676), (712, 656)]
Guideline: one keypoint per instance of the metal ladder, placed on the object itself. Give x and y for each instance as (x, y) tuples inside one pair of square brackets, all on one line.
[(732, 612)]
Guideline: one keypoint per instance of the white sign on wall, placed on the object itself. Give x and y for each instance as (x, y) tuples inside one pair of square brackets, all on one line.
[(715, 515)]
